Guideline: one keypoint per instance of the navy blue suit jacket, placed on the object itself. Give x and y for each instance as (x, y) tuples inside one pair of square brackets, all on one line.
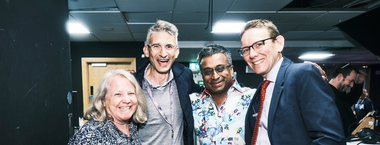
[(185, 86), (302, 110)]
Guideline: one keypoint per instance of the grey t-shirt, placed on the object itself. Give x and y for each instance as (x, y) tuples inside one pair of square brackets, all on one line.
[(157, 130)]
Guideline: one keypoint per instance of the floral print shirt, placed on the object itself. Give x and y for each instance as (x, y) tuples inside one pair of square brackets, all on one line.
[(224, 125), (104, 133)]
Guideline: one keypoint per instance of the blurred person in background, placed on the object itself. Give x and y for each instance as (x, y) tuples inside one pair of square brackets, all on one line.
[(364, 107)]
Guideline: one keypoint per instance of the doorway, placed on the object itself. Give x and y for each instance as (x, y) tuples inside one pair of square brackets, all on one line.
[(93, 69)]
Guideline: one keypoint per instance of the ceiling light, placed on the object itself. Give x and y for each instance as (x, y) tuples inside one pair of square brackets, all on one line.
[(315, 56), (228, 28), (107, 28), (77, 28)]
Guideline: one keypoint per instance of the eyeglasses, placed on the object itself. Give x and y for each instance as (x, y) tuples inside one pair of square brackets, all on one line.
[(218, 69), (158, 47), (244, 51)]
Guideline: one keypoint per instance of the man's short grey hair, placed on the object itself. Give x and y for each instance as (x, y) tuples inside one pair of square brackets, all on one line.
[(98, 112), (162, 26), (212, 49)]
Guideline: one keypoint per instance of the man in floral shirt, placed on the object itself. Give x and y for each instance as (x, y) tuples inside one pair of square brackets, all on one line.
[(219, 112)]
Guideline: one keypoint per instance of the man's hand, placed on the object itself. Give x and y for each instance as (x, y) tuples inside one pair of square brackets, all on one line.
[(360, 77)]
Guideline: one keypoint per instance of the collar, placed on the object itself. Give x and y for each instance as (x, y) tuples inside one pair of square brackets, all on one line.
[(235, 86), (273, 73), (171, 76)]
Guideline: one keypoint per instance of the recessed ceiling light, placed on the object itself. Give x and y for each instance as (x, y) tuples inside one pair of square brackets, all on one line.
[(107, 28), (228, 27), (77, 28), (315, 56)]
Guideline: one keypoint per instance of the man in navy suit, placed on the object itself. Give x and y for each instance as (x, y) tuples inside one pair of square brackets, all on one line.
[(298, 107)]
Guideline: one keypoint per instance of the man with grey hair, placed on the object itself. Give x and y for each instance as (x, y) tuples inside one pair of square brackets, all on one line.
[(219, 111), (166, 85)]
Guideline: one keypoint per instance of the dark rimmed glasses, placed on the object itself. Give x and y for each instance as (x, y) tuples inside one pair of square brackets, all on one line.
[(218, 69), (244, 51)]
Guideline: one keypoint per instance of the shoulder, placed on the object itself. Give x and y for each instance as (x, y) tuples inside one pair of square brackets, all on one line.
[(300, 70), (180, 71), (91, 131), (248, 91), (179, 68), (195, 96), (302, 66)]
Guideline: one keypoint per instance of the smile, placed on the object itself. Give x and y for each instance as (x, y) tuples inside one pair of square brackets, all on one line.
[(165, 60), (257, 62), (124, 108)]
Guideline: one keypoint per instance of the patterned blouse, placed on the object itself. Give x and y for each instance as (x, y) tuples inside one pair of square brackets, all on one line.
[(94, 132), (224, 125)]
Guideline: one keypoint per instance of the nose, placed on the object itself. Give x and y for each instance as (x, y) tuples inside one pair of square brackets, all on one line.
[(163, 52), (252, 53), (214, 75), (352, 84), (126, 100)]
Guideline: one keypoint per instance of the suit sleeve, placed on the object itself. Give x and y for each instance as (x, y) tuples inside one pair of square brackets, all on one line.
[(318, 110)]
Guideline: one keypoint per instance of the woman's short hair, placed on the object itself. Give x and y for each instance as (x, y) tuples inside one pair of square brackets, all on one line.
[(164, 26), (98, 112), (262, 23)]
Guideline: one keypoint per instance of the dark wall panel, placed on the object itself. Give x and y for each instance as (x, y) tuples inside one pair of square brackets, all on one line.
[(374, 90), (35, 72), (100, 49), (364, 29)]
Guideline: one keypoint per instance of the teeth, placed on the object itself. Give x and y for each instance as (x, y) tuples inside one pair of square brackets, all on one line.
[(163, 60), (124, 108), (257, 62)]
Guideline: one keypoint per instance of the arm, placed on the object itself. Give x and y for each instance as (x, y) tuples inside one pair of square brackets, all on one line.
[(319, 112), (368, 107)]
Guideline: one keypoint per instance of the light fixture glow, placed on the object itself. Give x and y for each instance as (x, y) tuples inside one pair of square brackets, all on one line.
[(228, 28), (77, 28), (315, 56)]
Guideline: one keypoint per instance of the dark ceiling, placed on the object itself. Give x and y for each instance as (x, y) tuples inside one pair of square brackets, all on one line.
[(309, 26)]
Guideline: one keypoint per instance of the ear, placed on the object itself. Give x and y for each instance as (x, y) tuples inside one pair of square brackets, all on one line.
[(280, 42), (146, 51), (339, 77), (232, 70), (176, 52)]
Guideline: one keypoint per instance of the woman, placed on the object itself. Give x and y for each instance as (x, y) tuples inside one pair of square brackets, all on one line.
[(364, 107), (118, 105)]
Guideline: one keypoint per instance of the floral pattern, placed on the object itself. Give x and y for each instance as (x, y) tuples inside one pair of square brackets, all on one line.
[(224, 125), (104, 133)]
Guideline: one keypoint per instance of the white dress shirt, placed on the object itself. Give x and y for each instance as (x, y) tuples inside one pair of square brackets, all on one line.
[(262, 137)]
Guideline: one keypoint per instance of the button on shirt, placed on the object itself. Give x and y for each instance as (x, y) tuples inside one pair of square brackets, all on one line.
[(263, 138), (224, 125)]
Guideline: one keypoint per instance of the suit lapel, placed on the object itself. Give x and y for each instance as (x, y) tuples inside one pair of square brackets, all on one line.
[(277, 91)]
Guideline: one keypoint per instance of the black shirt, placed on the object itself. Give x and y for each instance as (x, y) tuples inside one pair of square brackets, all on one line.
[(344, 102)]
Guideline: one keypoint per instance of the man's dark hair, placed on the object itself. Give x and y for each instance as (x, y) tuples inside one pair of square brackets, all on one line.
[(344, 69), (212, 49)]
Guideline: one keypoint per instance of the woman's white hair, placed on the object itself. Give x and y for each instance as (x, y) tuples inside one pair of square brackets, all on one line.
[(98, 112)]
